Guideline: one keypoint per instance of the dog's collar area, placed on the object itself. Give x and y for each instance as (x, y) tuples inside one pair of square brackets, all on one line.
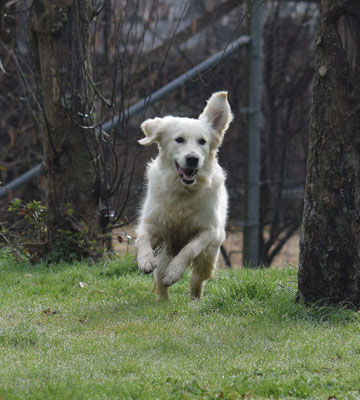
[(187, 175)]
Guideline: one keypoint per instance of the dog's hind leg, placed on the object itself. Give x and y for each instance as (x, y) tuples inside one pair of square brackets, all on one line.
[(203, 269)]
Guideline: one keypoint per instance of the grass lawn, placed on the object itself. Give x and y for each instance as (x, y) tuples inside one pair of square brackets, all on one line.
[(85, 332)]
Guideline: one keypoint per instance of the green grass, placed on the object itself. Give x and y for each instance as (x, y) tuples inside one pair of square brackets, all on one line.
[(247, 338)]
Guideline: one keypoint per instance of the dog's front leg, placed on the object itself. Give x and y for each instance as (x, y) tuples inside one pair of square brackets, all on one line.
[(145, 255), (175, 270)]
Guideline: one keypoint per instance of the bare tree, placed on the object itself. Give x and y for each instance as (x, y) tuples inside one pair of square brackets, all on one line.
[(61, 50), (288, 73), (329, 270)]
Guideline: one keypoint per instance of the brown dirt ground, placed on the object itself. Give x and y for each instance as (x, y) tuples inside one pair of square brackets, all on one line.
[(233, 245)]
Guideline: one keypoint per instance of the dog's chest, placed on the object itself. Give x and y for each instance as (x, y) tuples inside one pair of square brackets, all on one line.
[(179, 214), (177, 225)]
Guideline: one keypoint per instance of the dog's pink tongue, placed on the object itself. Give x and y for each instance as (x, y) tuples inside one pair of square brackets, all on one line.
[(188, 173), (181, 171)]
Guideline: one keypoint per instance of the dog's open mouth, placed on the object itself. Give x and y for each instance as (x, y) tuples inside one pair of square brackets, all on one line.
[(187, 175)]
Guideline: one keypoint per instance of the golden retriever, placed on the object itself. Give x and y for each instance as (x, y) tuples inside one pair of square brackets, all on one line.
[(183, 217)]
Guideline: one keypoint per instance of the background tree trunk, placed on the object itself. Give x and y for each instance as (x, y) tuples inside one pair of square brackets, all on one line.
[(329, 269), (60, 44)]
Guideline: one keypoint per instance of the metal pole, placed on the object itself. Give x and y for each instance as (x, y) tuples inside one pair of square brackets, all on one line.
[(20, 181), (141, 105), (191, 74), (251, 231)]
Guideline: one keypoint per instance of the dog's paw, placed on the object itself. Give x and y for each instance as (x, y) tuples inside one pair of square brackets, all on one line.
[(169, 280), (147, 266), (171, 276)]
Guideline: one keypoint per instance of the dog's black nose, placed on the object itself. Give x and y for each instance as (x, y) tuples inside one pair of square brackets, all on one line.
[(192, 161)]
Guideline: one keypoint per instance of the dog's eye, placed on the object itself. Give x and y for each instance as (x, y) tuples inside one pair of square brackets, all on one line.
[(202, 141), (179, 140)]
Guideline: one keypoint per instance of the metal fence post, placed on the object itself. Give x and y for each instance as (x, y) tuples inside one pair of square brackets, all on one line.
[(251, 229)]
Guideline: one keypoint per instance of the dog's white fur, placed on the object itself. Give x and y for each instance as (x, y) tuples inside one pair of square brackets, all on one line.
[(183, 217)]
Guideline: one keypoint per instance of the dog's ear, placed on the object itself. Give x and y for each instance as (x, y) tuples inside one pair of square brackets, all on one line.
[(217, 114), (151, 128)]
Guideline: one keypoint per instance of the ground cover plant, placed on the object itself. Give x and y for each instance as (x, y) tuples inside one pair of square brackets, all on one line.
[(96, 332)]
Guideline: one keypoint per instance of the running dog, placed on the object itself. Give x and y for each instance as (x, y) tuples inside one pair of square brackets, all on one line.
[(183, 217)]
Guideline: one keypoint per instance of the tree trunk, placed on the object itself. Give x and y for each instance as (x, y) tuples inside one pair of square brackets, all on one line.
[(329, 269), (60, 45)]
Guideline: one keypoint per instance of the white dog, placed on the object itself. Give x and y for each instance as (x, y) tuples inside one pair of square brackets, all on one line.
[(183, 218)]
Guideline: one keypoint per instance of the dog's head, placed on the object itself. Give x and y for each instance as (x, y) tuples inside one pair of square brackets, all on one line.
[(188, 143)]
